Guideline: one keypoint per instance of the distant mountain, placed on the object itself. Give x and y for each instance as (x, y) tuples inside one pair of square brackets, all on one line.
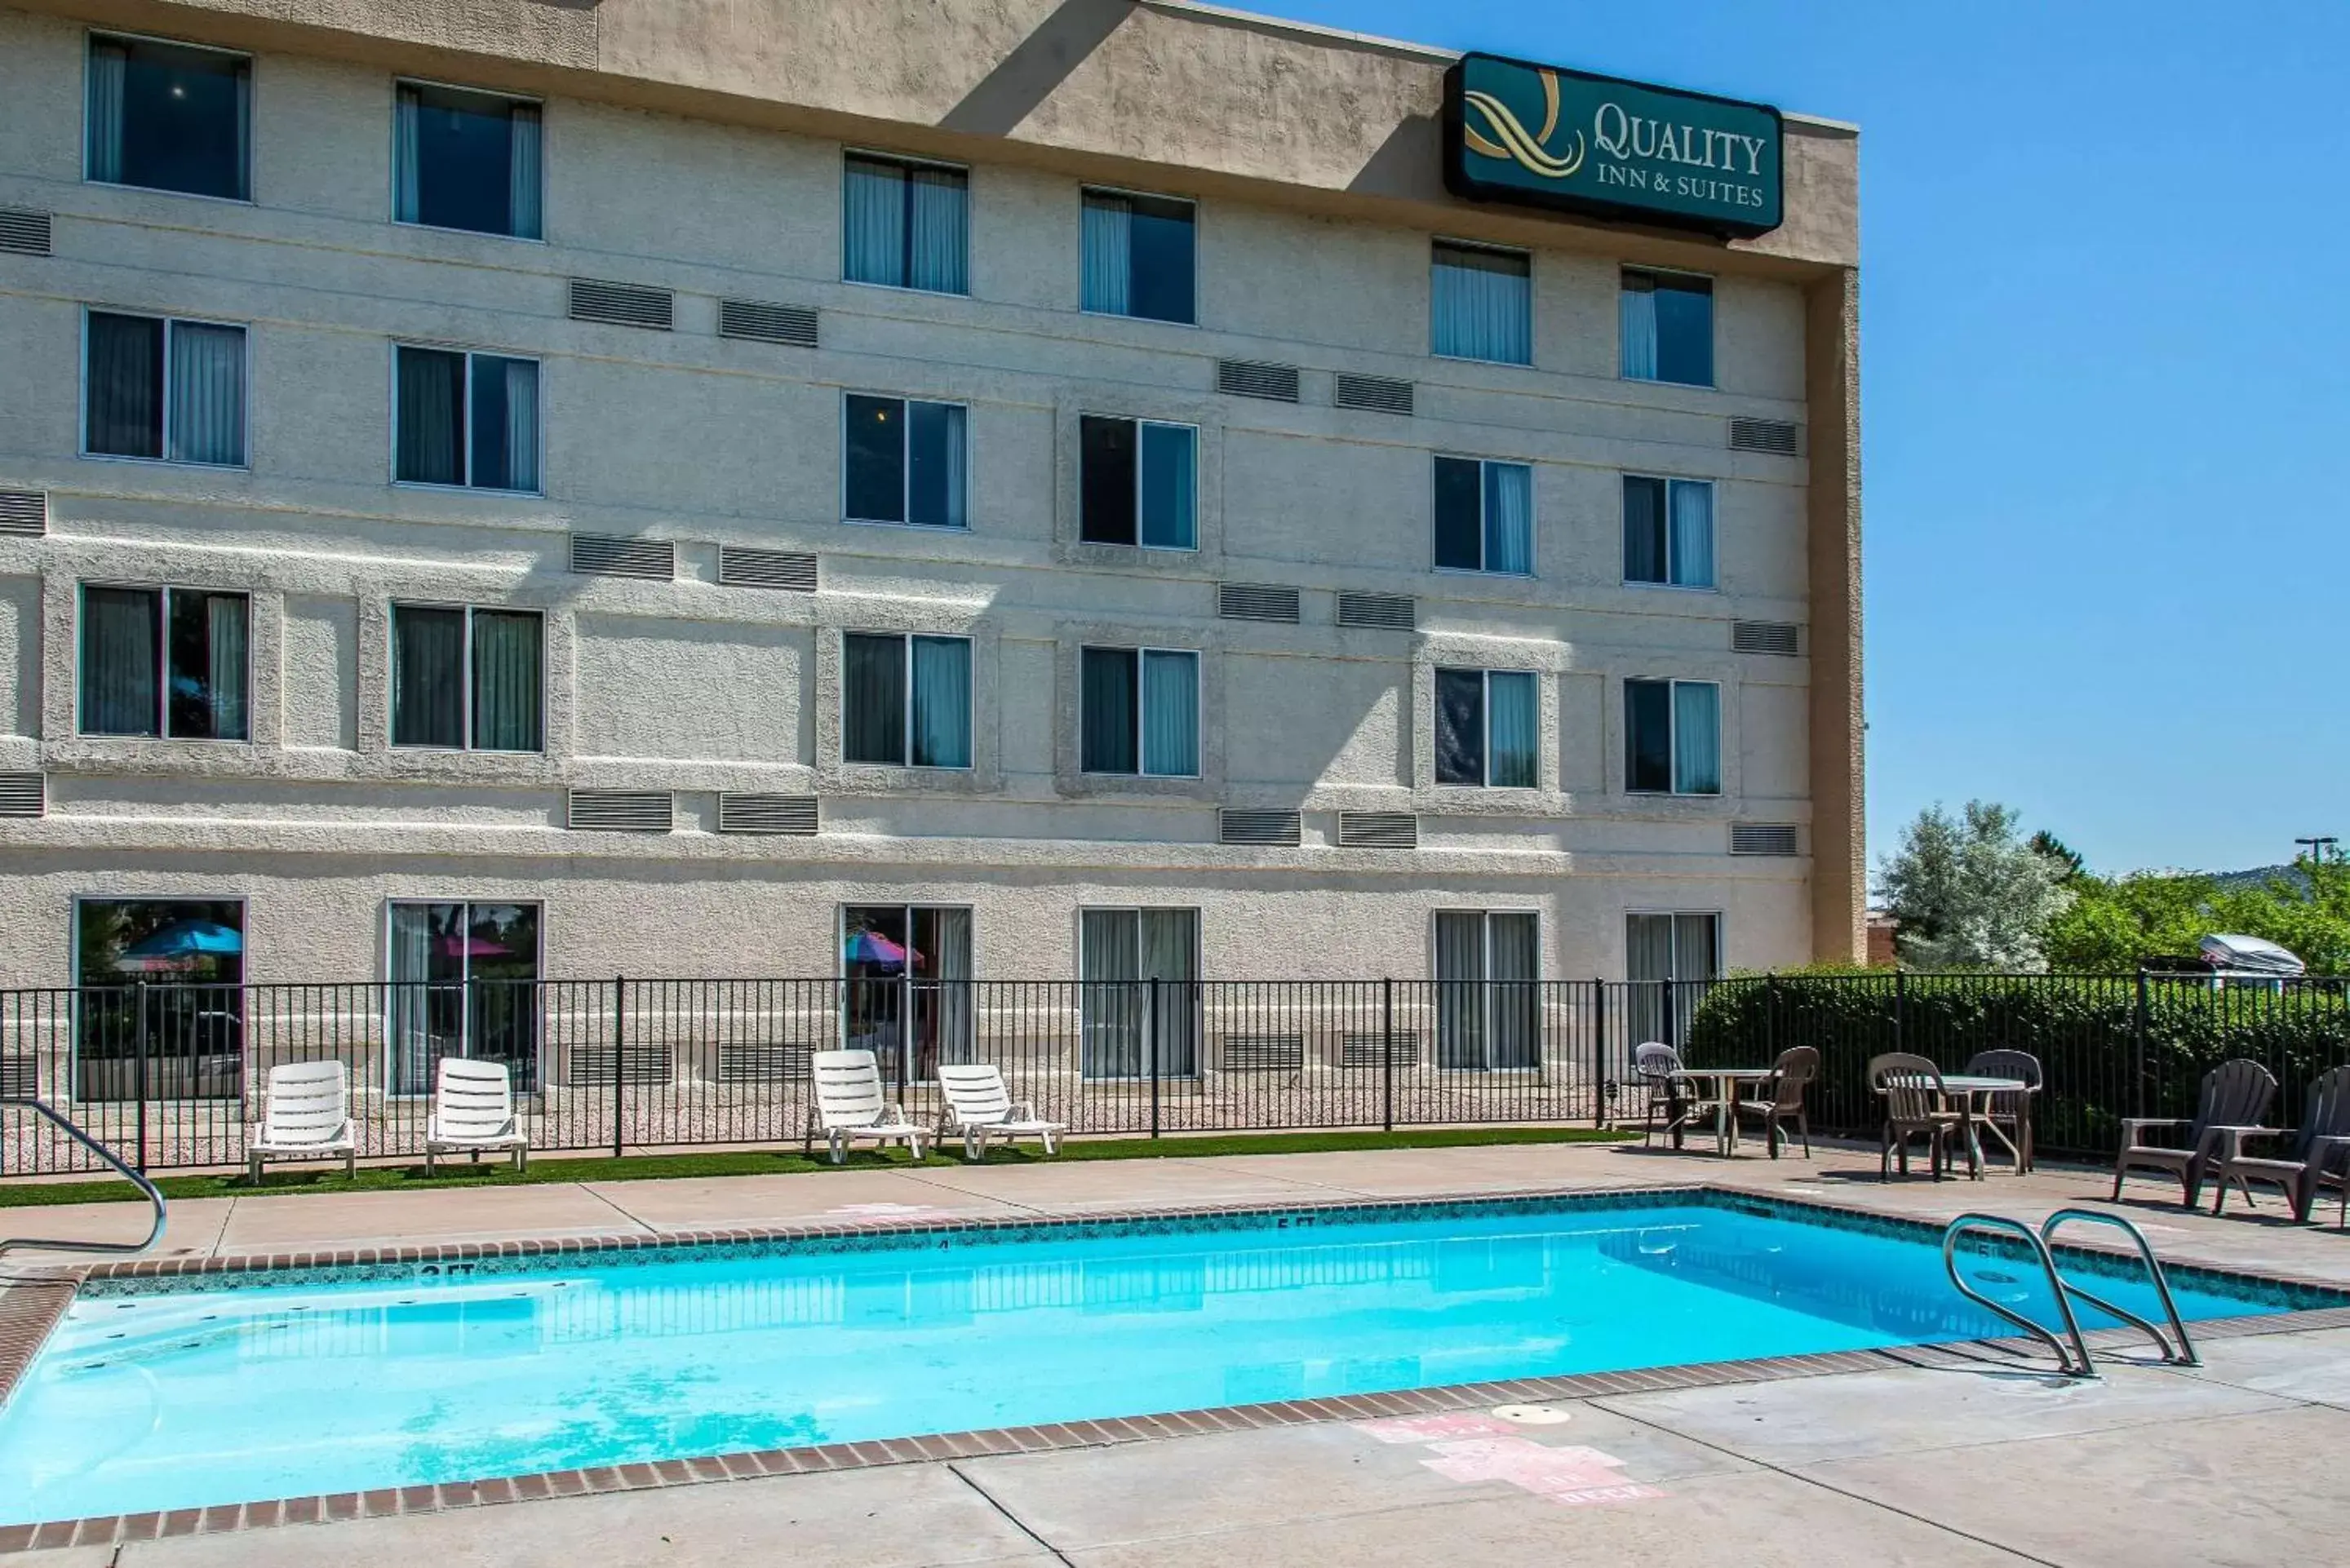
[(2260, 875)]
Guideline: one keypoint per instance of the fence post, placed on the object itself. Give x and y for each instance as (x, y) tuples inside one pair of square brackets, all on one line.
[(1598, 1052), (139, 1076), (2138, 1050), (1387, 1054), (1150, 1045), (1771, 1015), (1900, 1010), (619, 1061)]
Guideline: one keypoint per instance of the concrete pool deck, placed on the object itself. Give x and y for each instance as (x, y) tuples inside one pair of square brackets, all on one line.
[(1993, 1463)]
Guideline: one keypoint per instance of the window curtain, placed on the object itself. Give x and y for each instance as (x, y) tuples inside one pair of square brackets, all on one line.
[(124, 417), (938, 252), (524, 200), (1458, 501), (1696, 738), (427, 672), (935, 461), (942, 703), (119, 662), (432, 446), (1693, 966), (1645, 530), (1514, 993), (506, 681), (1106, 243), (1649, 964), (207, 394), (1481, 305), (410, 965), (1460, 986), (407, 111), (1111, 1006), (110, 65), (226, 646), (244, 175), (1693, 504), (1171, 714), (1636, 328), (521, 378), (1169, 486), (873, 700), (1647, 736), (1107, 724), (873, 222), (1514, 724), (949, 951), (1171, 956), (1460, 727), (1509, 517)]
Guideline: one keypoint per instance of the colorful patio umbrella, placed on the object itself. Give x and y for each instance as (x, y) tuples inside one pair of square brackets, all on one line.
[(469, 946), (872, 947), (181, 944)]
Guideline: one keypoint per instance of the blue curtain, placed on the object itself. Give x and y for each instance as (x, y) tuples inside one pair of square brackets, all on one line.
[(1106, 243), (938, 248), (407, 110), (110, 62), (1645, 530), (120, 668), (1513, 722), (207, 394), (941, 719), (1482, 305), (1169, 486), (523, 200), (1509, 518), (1108, 698), (1692, 502), (521, 425), (506, 681), (1636, 328), (1696, 738), (873, 222), (1171, 714)]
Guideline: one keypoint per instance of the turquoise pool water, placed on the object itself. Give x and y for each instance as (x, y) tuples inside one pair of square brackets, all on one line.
[(289, 1386)]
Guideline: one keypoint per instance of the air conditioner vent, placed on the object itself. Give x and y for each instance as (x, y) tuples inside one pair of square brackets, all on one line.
[(793, 326), (1780, 637), (24, 232), (622, 304), (1776, 436), (1256, 379), (1377, 830), (744, 568), (1283, 827), (1763, 839), (24, 511), (1256, 601), (622, 811), (1378, 394), (610, 555), (770, 814), (24, 794), (1392, 612)]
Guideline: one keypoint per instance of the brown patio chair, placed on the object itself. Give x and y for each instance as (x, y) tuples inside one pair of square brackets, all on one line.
[(2317, 1151), (1912, 1087), (2234, 1095), (1669, 1093), (1782, 1100), (2010, 1110)]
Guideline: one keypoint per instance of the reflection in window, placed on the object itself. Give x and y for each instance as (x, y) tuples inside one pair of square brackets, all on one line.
[(903, 962), (163, 662), (1137, 484), (185, 958), (168, 116), (463, 983), (1137, 256)]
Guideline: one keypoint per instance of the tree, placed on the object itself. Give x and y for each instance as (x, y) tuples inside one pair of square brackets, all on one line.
[(2114, 922), (1970, 893), (2068, 860)]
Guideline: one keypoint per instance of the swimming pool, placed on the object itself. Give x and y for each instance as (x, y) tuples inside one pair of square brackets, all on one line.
[(219, 1388)]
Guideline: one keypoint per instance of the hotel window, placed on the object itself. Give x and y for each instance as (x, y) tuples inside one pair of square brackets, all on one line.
[(1137, 969), (179, 1038), (1488, 987), (904, 462), (164, 390), (1481, 304), (1669, 958), (165, 662), (905, 700), (907, 969), (467, 680), (169, 117), (463, 160), (905, 224), (1137, 256), (464, 982), (1484, 516), (1672, 737), (1668, 327), (1488, 727), (466, 419), (1140, 712), (1137, 484), (1668, 532)]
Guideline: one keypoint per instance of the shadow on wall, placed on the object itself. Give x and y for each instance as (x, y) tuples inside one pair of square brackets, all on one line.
[(1027, 76), (1408, 166)]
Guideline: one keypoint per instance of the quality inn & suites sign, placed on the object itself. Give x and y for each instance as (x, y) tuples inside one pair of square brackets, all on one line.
[(1545, 136)]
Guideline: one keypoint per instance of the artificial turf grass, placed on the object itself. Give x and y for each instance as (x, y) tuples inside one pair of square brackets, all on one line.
[(496, 1171)]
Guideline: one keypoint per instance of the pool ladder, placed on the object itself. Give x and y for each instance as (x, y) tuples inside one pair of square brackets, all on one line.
[(66, 1124), (2072, 1351)]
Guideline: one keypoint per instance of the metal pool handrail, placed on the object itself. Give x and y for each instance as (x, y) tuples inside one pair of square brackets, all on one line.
[(2073, 1360), (66, 1124), (2184, 1356)]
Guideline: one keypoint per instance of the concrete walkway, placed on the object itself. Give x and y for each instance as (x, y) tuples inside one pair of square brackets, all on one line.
[(2219, 1465)]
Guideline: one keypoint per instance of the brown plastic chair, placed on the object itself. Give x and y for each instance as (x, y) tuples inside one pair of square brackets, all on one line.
[(2010, 1110), (1658, 1068), (2234, 1095), (1912, 1087), (1791, 1074), (2315, 1155)]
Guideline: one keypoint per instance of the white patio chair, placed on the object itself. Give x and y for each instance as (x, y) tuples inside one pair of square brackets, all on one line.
[(473, 1113), (978, 1105), (851, 1106), (306, 1115)]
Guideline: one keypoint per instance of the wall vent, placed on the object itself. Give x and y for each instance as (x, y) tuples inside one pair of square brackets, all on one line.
[(1763, 839), (1360, 1048), (1778, 637), (1257, 379), (24, 511), (24, 232), (589, 1063), (622, 304), (744, 568), (24, 794), (1256, 601), (785, 813), (757, 319), (20, 1076), (1284, 827), (610, 555), (1763, 435), (1377, 830), (1378, 394), (1394, 612), (620, 811)]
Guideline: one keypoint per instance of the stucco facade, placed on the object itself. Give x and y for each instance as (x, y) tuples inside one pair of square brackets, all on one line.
[(697, 148)]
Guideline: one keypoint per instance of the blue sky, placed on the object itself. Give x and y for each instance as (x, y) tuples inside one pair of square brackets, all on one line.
[(2105, 342)]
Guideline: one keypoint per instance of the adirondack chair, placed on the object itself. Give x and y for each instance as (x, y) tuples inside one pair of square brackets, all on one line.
[(2319, 1150), (1783, 1097), (1916, 1105), (2234, 1095), (979, 1104), (306, 1115), (473, 1113), (851, 1106)]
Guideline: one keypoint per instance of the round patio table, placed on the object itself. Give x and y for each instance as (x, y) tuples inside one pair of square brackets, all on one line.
[(1974, 1089), (1727, 1083)]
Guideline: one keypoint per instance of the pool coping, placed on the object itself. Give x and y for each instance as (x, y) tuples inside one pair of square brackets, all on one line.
[(31, 1306)]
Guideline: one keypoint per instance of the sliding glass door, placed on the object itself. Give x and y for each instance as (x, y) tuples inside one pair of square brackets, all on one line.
[(1120, 953), (1671, 960), (906, 969), (464, 982), (1488, 991)]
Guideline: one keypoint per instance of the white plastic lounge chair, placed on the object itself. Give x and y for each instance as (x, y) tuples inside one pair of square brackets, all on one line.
[(307, 1116), (851, 1105), (978, 1105), (473, 1113)]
